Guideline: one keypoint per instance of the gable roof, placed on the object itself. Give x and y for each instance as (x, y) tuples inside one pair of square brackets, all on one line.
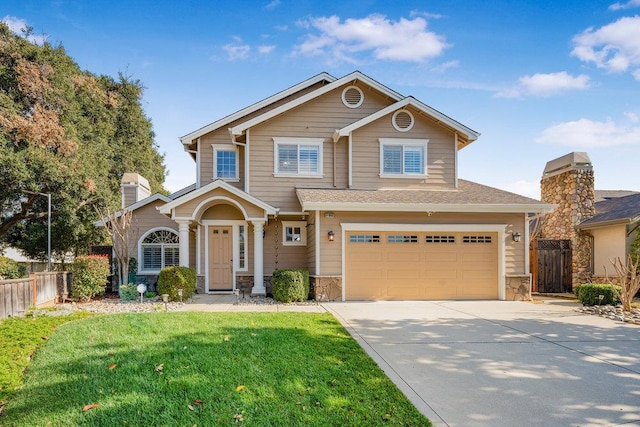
[(467, 132), (239, 129), (620, 210), (468, 197), (612, 194), (218, 183), (188, 138)]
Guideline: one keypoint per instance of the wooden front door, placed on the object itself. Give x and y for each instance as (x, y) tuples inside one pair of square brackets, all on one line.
[(220, 259)]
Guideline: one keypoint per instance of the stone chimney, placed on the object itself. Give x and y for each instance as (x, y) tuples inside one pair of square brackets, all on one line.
[(134, 188), (568, 182)]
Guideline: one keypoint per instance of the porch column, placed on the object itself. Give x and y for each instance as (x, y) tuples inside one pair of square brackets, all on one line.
[(258, 259), (183, 234)]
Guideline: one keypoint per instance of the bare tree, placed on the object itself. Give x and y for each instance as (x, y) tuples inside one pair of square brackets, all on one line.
[(118, 226), (629, 278)]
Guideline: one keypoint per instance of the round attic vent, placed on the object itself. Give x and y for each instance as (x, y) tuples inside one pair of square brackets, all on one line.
[(352, 97), (402, 120)]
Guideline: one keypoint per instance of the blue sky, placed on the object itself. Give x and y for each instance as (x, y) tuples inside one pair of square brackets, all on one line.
[(537, 79)]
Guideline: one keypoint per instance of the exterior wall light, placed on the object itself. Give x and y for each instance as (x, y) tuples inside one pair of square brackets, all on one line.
[(331, 235), (516, 236)]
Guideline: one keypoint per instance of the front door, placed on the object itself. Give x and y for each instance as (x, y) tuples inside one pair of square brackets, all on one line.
[(220, 259)]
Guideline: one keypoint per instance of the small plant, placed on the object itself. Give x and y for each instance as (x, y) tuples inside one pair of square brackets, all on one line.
[(173, 278), (89, 276), (290, 285), (588, 294), (129, 292), (10, 269), (150, 294)]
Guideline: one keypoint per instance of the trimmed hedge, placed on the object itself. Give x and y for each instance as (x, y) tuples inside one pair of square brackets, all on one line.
[(290, 285), (90, 274), (175, 277), (588, 293)]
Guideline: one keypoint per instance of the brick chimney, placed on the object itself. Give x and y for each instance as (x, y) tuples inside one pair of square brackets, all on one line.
[(134, 188), (569, 183)]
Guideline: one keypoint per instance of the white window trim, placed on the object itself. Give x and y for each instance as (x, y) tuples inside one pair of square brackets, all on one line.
[(422, 143), (303, 233), (319, 142), (141, 239), (225, 147)]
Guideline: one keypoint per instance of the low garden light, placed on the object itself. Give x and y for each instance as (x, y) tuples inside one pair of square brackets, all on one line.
[(331, 235), (165, 300), (141, 288), (180, 294)]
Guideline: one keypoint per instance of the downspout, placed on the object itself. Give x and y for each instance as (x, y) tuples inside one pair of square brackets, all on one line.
[(335, 144), (455, 150)]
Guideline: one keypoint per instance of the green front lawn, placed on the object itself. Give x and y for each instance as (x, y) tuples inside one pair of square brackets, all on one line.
[(205, 369)]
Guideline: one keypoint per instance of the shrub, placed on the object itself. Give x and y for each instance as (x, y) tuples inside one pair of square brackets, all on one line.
[(290, 285), (89, 276), (10, 269), (588, 293), (173, 278), (129, 292)]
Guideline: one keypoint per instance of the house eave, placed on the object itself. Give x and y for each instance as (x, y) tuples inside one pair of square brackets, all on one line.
[(604, 224), (426, 207)]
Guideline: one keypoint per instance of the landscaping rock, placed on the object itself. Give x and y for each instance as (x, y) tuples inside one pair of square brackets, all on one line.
[(613, 313)]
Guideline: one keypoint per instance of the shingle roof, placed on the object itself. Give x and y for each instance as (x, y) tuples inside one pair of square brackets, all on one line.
[(612, 194), (468, 196), (619, 209)]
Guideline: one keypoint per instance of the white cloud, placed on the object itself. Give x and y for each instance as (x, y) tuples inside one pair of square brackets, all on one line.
[(545, 84), (585, 133), (273, 4), (20, 28), (633, 117), (237, 51), (614, 47), (265, 49), (628, 5), (403, 40)]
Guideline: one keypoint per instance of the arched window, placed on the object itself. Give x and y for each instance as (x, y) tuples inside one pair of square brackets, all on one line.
[(159, 249)]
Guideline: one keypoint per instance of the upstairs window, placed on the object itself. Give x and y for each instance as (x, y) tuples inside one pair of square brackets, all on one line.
[(403, 158), (159, 249), (301, 157), (225, 162)]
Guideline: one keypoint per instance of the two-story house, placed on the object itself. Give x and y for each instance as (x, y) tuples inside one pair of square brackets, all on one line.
[(349, 180)]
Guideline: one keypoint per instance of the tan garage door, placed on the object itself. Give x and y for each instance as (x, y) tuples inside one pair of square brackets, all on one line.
[(421, 265)]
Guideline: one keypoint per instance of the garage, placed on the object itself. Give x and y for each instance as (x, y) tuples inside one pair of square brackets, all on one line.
[(424, 265)]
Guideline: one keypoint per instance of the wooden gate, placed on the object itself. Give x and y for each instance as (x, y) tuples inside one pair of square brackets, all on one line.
[(551, 266)]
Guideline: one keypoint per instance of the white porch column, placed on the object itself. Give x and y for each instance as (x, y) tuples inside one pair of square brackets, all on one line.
[(258, 259), (183, 234)]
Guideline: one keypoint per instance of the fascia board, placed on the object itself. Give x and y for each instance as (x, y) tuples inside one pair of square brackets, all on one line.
[(187, 139), (390, 207), (240, 128), (604, 224), (166, 209)]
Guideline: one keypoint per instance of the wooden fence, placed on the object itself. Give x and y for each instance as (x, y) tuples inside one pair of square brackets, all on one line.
[(37, 290)]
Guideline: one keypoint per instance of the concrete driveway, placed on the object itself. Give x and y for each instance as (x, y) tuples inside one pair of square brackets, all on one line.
[(498, 363)]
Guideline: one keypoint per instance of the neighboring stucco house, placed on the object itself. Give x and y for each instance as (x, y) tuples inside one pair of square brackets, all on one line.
[(349, 180), (600, 224)]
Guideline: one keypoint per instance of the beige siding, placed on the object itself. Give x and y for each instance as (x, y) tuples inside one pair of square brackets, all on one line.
[(440, 154), (608, 243), (277, 255), (145, 219), (218, 137), (186, 210), (331, 252), (221, 136), (318, 118)]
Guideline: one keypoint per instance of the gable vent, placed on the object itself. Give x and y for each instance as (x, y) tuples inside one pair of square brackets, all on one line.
[(402, 120), (352, 97)]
